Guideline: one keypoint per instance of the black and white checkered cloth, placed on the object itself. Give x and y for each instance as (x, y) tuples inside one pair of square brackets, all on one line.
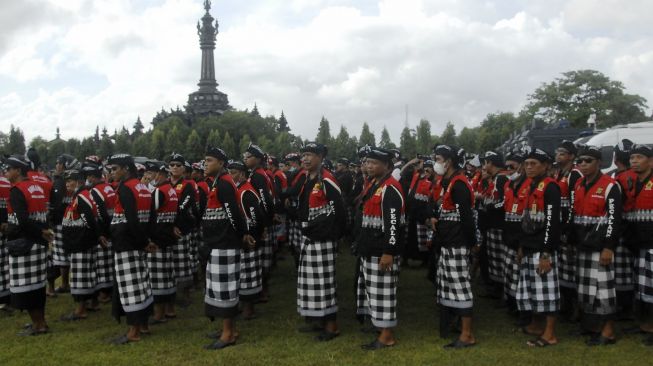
[(105, 270), (83, 272), (539, 294), (423, 236), (495, 254), (269, 240), (181, 260), (376, 292), (59, 255), (133, 279), (223, 279), (567, 269), (452, 280), (596, 284), (161, 273), (316, 279), (28, 272), (4, 270), (624, 272), (193, 245), (295, 234), (644, 273), (251, 273), (510, 272)]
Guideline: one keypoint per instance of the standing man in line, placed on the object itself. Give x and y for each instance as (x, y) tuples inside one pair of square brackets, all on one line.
[(379, 247), (322, 216), (132, 295), (5, 294), (455, 235), (224, 237), (27, 239), (538, 290), (596, 220)]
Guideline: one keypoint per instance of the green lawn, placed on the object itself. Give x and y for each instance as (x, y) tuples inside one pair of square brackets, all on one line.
[(272, 339)]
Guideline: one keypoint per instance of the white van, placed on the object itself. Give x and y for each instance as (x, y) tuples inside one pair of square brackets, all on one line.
[(639, 133)]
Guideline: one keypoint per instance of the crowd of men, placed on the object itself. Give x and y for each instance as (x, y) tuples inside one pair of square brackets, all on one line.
[(550, 236)]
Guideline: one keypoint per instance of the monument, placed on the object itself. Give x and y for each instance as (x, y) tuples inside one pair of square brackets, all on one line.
[(208, 100)]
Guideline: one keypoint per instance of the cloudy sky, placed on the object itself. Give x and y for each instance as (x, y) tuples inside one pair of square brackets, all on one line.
[(75, 64)]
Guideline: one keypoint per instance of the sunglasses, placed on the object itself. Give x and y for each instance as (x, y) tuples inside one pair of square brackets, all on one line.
[(585, 160), (176, 165), (511, 167)]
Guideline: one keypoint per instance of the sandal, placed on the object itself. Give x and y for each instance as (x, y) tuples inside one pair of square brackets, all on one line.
[(326, 336), (217, 334), (458, 344), (122, 340), (219, 345), (540, 342), (71, 317), (376, 345), (27, 332), (600, 341), (171, 316)]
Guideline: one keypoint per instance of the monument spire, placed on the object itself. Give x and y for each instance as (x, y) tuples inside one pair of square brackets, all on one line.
[(207, 100)]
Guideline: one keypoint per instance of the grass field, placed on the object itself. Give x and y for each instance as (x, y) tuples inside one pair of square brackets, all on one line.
[(272, 339)]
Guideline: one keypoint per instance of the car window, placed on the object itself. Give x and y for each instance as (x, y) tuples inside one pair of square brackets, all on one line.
[(606, 156)]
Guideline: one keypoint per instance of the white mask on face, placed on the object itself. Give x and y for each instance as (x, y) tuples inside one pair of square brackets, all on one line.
[(87, 183), (514, 176), (439, 168)]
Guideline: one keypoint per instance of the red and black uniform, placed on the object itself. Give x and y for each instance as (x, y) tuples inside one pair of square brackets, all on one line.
[(5, 186), (623, 256), (251, 281), (417, 210), (567, 180), (203, 187), (187, 216), (265, 189), (596, 220), (165, 207), (105, 198), (223, 225), (131, 216), (516, 194), (493, 217), (27, 211)]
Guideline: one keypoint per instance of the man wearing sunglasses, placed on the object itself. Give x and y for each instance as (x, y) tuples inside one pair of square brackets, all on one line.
[(566, 176), (596, 220)]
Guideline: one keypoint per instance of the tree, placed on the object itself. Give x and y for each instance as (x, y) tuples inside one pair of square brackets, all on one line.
[(255, 112), (424, 140), (73, 146), (244, 143), (213, 139), (448, 137), (193, 147), (174, 140), (141, 146), (96, 137), (42, 148), (283, 124), (123, 142), (578, 94), (16, 144), (229, 146), (324, 132), (495, 129), (468, 139), (87, 147), (367, 137), (385, 141), (408, 142), (157, 144), (138, 128)]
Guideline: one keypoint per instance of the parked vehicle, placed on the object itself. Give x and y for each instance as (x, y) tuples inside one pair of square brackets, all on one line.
[(639, 133)]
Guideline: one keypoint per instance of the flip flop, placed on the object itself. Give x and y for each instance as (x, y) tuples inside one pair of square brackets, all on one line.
[(539, 342), (28, 332), (122, 340), (376, 345), (71, 317), (458, 344), (326, 336), (218, 334), (219, 345), (600, 341)]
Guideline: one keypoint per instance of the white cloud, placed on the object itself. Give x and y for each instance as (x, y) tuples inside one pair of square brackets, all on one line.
[(447, 60)]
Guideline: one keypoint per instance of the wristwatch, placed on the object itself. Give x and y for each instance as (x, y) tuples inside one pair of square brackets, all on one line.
[(545, 256)]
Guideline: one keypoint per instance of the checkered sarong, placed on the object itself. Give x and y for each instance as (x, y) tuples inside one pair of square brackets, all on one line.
[(83, 272), (223, 281), (4, 270), (181, 260), (596, 284), (316, 279), (510, 272), (423, 235), (376, 292), (251, 273), (295, 234), (567, 269), (133, 279), (269, 240), (105, 271), (452, 280), (539, 294), (161, 274), (495, 254), (193, 245), (623, 268), (644, 273), (28, 272), (59, 255)]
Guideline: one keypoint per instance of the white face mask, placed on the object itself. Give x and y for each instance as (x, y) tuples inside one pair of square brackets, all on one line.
[(87, 183), (439, 168), (514, 176)]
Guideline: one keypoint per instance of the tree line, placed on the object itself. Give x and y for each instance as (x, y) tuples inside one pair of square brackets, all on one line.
[(572, 97)]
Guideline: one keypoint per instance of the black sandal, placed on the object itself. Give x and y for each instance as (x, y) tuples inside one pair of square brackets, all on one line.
[(458, 344), (119, 341), (600, 341), (72, 317), (326, 336), (376, 345), (540, 342), (28, 332), (219, 344)]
